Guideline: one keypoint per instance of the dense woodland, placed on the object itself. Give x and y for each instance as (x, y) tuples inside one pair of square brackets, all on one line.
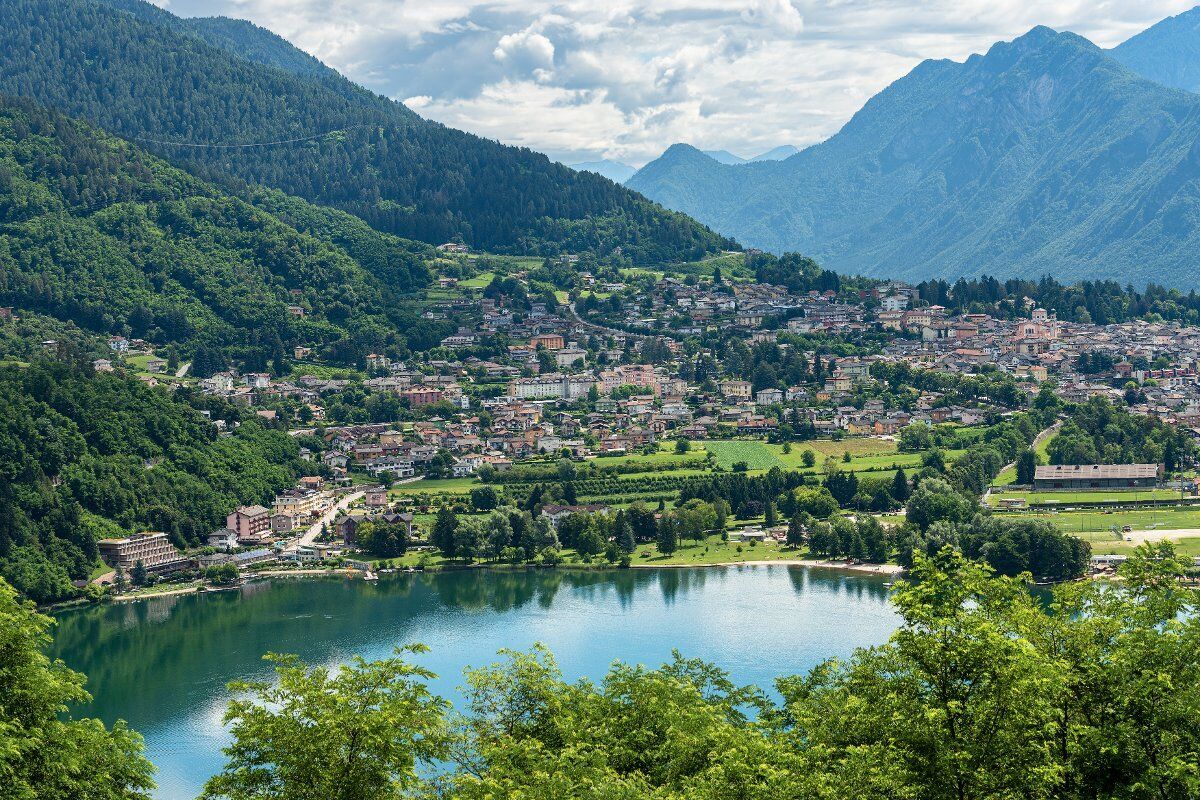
[(84, 456), (149, 76), (99, 233), (1099, 302)]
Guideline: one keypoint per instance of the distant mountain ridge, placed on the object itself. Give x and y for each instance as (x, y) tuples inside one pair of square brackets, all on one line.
[(613, 170), (1043, 156), (1166, 53), (146, 75), (774, 154)]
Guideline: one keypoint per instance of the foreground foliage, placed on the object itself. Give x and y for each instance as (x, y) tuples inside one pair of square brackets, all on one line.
[(44, 754), (983, 692)]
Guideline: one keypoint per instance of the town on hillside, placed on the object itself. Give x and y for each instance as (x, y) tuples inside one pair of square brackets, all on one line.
[(630, 386)]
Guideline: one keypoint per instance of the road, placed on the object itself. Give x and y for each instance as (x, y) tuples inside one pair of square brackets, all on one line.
[(574, 313), (314, 530), (183, 369)]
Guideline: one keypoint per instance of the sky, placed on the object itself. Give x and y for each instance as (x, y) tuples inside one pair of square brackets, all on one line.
[(581, 80)]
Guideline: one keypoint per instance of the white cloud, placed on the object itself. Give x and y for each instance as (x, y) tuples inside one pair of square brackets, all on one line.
[(526, 49), (624, 79)]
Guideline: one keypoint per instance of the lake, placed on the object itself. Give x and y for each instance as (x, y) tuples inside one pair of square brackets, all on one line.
[(162, 664)]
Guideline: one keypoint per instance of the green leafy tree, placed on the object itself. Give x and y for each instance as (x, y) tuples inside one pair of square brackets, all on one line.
[(899, 489), (1026, 465), (935, 501), (222, 574), (362, 731), (484, 498), (623, 535), (796, 529), (384, 539), (45, 754), (138, 574), (444, 527), (668, 537)]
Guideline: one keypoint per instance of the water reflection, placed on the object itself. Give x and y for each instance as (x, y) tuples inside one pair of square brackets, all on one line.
[(162, 664)]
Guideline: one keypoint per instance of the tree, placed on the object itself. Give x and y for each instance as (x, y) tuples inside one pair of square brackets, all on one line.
[(222, 574), (440, 465), (772, 515), (589, 542), (498, 535), (668, 538), (956, 705), (796, 530), (1026, 465), (484, 498), (44, 753), (641, 519), (138, 574), (383, 539), (623, 535), (444, 528), (817, 502), (935, 501), (469, 540), (899, 490), (682, 446), (361, 732), (809, 459)]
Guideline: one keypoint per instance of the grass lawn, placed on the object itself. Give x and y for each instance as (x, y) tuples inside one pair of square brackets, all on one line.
[(1082, 523), (436, 486), (1186, 547), (715, 551), (1066, 498), (1007, 477)]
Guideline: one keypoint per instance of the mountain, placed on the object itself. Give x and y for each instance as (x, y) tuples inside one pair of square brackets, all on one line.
[(777, 153), (1042, 156), (97, 232), (724, 157), (232, 103), (1166, 53), (613, 170)]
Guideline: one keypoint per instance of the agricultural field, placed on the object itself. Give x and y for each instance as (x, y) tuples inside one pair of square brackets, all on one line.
[(480, 281), (865, 454), (756, 455)]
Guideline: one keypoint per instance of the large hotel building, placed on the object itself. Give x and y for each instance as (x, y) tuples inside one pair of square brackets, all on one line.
[(154, 550)]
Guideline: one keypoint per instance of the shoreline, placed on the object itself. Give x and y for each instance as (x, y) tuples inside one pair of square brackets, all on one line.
[(871, 569), (884, 570)]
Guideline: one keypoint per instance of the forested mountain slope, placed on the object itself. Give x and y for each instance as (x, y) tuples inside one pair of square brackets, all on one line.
[(84, 456), (143, 74), (1166, 53), (95, 231), (1044, 156)]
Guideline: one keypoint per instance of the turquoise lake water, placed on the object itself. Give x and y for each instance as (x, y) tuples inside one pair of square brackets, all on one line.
[(162, 664)]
